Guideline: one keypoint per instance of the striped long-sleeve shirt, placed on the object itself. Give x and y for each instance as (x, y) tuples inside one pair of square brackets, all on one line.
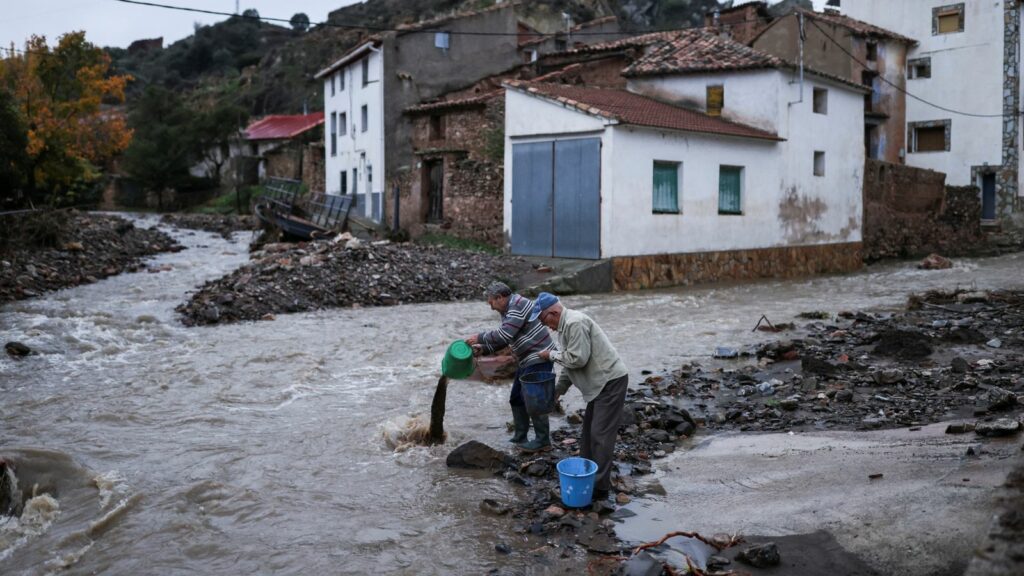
[(525, 338)]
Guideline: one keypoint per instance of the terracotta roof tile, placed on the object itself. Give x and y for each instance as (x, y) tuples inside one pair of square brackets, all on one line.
[(628, 108), (698, 50), (455, 103), (638, 41), (282, 127)]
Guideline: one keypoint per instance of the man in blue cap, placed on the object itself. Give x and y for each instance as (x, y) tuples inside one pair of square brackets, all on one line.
[(589, 362), (528, 339)]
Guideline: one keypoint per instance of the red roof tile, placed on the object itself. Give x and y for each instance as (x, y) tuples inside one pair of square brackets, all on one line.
[(628, 108), (638, 41), (698, 50), (455, 103), (282, 127)]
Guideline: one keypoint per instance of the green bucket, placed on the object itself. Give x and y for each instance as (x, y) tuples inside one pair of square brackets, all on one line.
[(458, 361)]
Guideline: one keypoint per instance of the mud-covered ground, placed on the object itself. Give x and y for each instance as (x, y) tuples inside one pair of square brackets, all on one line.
[(284, 278), (956, 356), (60, 249)]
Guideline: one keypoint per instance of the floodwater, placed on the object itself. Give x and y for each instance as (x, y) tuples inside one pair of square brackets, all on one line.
[(260, 448)]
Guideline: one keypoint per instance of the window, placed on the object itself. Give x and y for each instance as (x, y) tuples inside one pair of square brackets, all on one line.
[(819, 163), (820, 101), (730, 189), (666, 188), (355, 181), (919, 68), (871, 51), (341, 80), (343, 123), (332, 84), (867, 78), (366, 71), (436, 127), (715, 99), (334, 134), (369, 175), (948, 19), (931, 136), (365, 117), (442, 40), (560, 45), (344, 182)]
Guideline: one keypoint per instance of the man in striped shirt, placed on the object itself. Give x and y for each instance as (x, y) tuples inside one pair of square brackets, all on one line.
[(527, 338)]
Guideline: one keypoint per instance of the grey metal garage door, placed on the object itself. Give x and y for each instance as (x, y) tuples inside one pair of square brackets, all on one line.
[(556, 198)]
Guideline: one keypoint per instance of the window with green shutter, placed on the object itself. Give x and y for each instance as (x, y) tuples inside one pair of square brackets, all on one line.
[(666, 188), (730, 186)]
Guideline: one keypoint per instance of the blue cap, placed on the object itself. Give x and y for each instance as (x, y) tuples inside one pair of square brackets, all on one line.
[(543, 302)]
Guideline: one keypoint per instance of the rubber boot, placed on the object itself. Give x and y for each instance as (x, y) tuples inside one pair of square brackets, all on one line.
[(520, 424), (542, 435)]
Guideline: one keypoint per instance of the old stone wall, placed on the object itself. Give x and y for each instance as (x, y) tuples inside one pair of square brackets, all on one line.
[(910, 212), (284, 162), (313, 169), (663, 270)]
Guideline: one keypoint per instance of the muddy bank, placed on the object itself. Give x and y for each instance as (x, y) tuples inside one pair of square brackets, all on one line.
[(1002, 553), (284, 278), (223, 224), (54, 250)]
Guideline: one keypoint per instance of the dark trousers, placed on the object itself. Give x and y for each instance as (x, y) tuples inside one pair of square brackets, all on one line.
[(516, 397), (601, 427)]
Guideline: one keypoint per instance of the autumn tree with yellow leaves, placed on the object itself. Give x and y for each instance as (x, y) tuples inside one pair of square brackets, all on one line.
[(67, 100)]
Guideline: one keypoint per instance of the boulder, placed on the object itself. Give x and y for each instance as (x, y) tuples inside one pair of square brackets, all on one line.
[(1001, 427), (17, 349), (477, 455), (761, 555), (935, 262)]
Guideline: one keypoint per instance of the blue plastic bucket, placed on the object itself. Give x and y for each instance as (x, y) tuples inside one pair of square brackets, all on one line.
[(538, 392), (576, 477)]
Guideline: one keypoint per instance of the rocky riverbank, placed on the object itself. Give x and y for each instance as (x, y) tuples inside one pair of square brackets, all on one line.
[(284, 278), (951, 356), (225, 225), (54, 250)]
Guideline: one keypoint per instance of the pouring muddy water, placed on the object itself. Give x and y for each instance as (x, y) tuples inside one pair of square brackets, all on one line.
[(256, 447)]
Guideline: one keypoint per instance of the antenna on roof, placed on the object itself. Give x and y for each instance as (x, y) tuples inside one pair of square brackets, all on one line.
[(833, 7)]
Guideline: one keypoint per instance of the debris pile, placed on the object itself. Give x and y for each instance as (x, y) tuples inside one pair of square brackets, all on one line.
[(284, 278), (76, 248), (223, 224), (951, 355)]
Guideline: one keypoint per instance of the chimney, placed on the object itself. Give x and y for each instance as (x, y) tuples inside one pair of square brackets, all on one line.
[(833, 7)]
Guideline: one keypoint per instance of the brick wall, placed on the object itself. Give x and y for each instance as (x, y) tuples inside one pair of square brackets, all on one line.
[(910, 212)]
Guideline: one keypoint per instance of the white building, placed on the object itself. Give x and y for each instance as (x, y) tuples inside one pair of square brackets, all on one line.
[(354, 127), (966, 66), (716, 163)]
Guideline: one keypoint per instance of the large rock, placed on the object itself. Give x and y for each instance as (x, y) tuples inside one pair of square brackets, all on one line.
[(1001, 427), (935, 262), (17, 349), (478, 455), (761, 555)]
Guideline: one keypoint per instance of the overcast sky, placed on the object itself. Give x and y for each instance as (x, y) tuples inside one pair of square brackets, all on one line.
[(113, 23)]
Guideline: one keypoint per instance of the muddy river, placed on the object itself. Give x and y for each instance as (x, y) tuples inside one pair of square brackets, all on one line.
[(259, 448)]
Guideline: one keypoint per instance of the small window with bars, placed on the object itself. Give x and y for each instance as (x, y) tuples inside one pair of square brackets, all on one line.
[(919, 68), (666, 187), (730, 190)]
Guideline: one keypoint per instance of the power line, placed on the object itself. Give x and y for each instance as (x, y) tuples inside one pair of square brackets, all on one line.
[(426, 29), (903, 90)]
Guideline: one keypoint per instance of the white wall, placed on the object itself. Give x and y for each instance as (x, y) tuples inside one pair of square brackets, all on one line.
[(356, 149), (967, 75), (751, 98), (783, 202)]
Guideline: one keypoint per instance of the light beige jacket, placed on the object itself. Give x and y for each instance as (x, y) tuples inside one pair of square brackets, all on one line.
[(587, 357)]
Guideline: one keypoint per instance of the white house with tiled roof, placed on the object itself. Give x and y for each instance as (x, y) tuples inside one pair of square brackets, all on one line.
[(716, 163)]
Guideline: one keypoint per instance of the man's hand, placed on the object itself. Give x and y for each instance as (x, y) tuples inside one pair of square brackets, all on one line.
[(473, 340), (477, 350), (544, 355)]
